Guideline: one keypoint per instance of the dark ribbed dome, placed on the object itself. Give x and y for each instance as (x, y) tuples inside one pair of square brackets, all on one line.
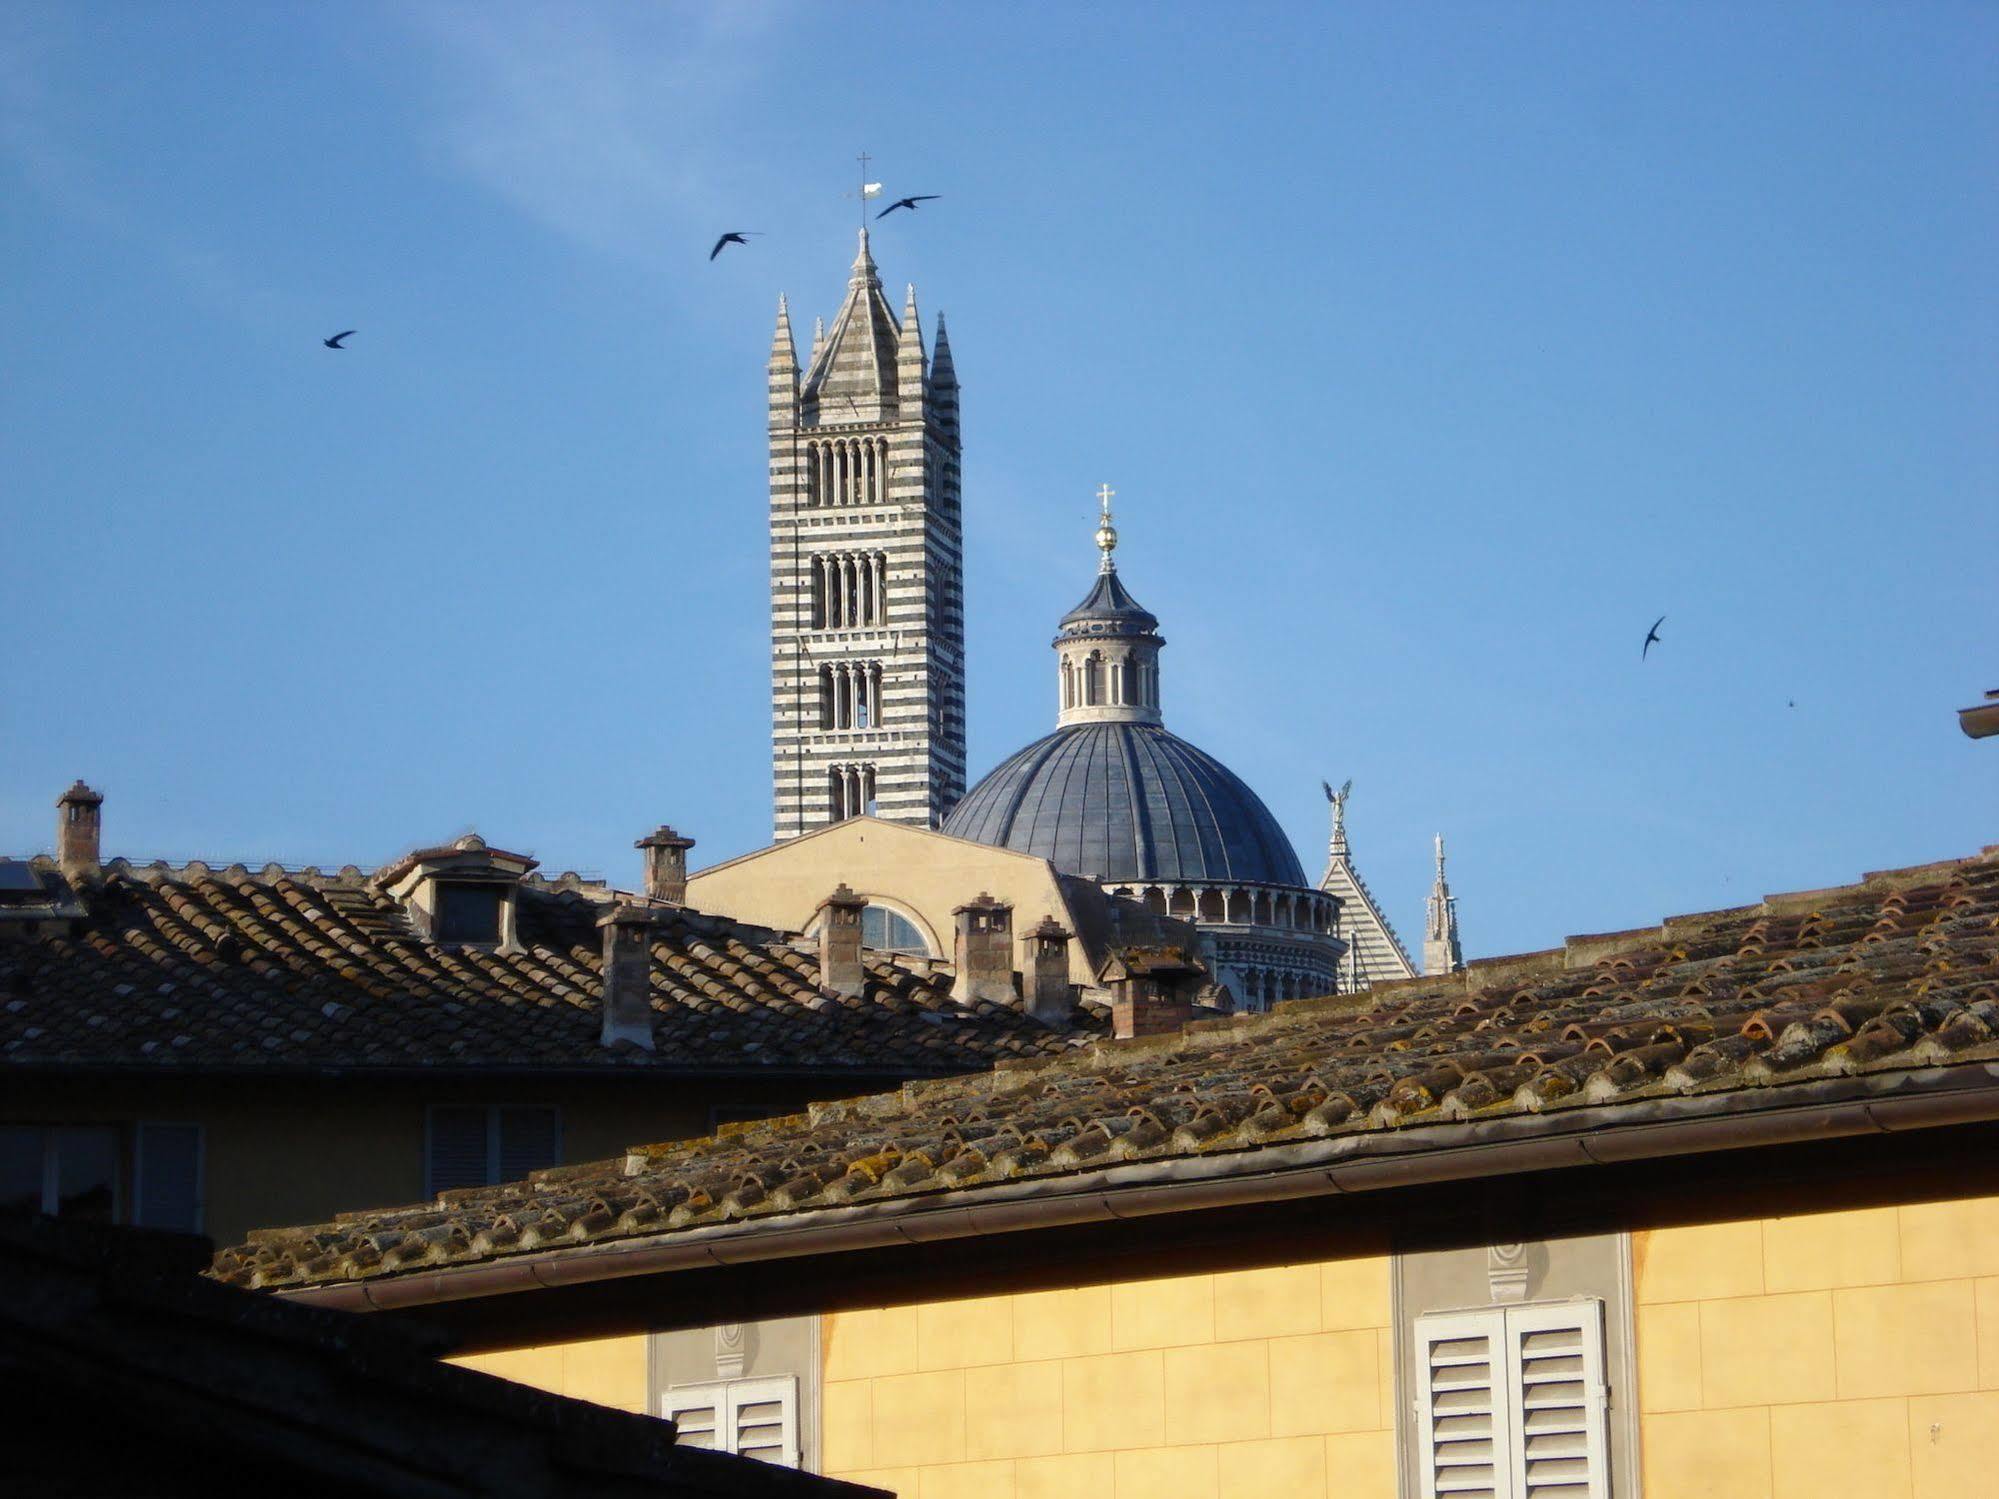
[(1127, 801)]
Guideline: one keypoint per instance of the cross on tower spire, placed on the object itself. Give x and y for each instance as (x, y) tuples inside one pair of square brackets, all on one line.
[(1106, 532), (862, 195)]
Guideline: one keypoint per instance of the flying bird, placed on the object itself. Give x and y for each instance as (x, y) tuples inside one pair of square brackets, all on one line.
[(733, 237), (909, 203), (334, 342), (1651, 636)]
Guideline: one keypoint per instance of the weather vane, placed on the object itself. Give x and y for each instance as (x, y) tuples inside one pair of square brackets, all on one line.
[(868, 189)]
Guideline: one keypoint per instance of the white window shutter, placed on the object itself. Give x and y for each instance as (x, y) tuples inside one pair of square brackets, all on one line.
[(750, 1417), (696, 1410), (763, 1419), (1463, 1416), (1555, 1384)]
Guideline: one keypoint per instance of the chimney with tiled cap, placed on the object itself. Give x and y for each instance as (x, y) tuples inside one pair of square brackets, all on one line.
[(840, 970), (666, 864), (627, 976), (1152, 991), (1049, 997), (983, 951), (79, 821)]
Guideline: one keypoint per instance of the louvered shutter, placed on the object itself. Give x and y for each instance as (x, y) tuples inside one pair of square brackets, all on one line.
[(750, 1417), (1554, 1363), (1463, 1415), (166, 1172), (763, 1419), (697, 1411), (529, 1141), (457, 1155)]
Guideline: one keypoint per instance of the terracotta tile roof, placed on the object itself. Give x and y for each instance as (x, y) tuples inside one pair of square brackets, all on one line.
[(1871, 983), (193, 968)]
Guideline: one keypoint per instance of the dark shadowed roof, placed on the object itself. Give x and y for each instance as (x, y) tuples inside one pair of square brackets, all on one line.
[(219, 1391), (195, 968), (1127, 801), (1886, 992)]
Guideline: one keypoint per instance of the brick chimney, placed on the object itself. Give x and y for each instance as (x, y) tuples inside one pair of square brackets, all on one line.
[(983, 951), (78, 823), (666, 864), (1049, 998), (627, 976), (840, 970), (1152, 991)]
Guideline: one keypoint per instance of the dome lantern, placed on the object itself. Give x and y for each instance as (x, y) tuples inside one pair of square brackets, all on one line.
[(1107, 648)]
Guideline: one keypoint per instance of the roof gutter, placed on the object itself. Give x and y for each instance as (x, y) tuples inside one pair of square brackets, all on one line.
[(1602, 1135)]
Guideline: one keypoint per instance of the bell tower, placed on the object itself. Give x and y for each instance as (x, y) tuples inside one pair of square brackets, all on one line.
[(866, 568)]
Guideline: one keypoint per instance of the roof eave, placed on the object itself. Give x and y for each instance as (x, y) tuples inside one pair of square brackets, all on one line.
[(1597, 1135)]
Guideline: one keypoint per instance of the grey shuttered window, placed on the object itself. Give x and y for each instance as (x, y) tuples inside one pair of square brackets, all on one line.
[(483, 1145), (166, 1177), (1511, 1403)]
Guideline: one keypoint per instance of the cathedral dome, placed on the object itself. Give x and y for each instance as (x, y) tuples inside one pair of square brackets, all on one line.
[(1126, 801)]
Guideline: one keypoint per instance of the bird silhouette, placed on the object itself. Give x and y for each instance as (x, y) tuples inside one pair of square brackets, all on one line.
[(334, 342), (733, 237), (1651, 635), (909, 203)]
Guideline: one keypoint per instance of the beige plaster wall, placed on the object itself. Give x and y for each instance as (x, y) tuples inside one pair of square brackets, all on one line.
[(1246, 1383), (1838, 1353), (607, 1371), (921, 874)]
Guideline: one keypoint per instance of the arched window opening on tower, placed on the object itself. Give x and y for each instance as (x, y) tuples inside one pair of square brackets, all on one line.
[(1093, 679), (1068, 684)]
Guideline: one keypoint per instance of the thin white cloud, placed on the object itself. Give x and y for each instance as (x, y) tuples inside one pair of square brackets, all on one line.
[(608, 128)]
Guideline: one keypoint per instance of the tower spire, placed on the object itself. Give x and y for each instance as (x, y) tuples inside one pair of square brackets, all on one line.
[(1106, 532), (1441, 951)]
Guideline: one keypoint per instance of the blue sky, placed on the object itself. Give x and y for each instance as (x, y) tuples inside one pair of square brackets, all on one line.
[(1433, 351)]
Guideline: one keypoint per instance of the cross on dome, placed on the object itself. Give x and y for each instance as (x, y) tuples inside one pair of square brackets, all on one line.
[(1106, 532)]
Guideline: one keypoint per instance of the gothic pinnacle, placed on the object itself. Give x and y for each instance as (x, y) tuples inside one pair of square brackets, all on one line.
[(783, 352)]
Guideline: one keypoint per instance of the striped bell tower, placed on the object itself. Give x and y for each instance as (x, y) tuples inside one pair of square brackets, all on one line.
[(867, 624)]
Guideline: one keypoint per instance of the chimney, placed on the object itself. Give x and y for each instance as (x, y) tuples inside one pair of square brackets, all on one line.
[(1152, 991), (840, 970), (666, 864), (1049, 999), (983, 951), (627, 976), (78, 822)]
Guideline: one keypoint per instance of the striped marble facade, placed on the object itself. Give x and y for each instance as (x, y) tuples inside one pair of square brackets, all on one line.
[(866, 565)]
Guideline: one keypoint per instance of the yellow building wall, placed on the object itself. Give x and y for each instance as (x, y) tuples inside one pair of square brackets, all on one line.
[(1838, 1353), (1224, 1386), (608, 1371), (920, 874)]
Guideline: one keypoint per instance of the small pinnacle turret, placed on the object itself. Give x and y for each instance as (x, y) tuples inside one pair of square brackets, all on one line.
[(1441, 951)]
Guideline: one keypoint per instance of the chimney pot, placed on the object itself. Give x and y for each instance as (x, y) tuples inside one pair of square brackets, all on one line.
[(983, 951), (627, 976), (840, 967), (1152, 992), (78, 823), (666, 864), (1049, 996)]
